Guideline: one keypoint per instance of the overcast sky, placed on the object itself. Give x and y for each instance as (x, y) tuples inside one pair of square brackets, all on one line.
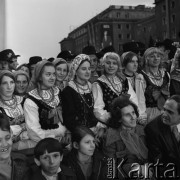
[(35, 27)]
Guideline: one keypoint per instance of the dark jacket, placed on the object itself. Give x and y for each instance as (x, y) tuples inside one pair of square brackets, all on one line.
[(162, 145), (19, 167), (99, 171), (75, 110), (115, 148), (34, 173)]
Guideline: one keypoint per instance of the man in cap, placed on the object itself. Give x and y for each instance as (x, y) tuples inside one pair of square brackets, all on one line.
[(67, 55), (90, 50), (32, 63), (8, 60)]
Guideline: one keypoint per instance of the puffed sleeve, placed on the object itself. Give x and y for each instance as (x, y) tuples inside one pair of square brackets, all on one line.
[(34, 129), (140, 89), (100, 113)]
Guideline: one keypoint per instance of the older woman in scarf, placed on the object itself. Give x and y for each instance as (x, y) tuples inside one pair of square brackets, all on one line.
[(126, 140), (77, 97), (42, 107), (12, 106), (108, 86), (156, 79), (62, 69)]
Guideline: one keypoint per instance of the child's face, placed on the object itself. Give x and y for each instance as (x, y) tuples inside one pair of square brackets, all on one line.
[(50, 162), (5, 144), (87, 145)]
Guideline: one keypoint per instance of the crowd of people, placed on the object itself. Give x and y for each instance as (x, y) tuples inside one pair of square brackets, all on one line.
[(78, 117)]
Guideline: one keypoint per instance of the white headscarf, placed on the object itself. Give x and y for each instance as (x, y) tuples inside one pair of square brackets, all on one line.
[(75, 65)]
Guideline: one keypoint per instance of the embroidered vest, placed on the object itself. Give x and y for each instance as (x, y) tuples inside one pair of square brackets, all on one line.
[(44, 110), (20, 116), (150, 88), (109, 95)]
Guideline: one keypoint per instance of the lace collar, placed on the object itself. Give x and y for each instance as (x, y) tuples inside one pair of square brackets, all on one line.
[(13, 103), (114, 83), (115, 80), (49, 96)]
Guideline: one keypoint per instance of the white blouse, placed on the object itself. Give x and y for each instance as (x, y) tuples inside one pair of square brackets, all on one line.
[(31, 113)]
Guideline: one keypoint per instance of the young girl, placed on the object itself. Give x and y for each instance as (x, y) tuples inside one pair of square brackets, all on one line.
[(87, 163), (42, 108)]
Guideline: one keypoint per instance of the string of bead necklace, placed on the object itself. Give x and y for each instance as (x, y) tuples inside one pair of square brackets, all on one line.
[(14, 102), (84, 100)]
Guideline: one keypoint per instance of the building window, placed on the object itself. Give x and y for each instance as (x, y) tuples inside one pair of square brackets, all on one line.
[(120, 47), (127, 26), (164, 34), (174, 33), (128, 36), (164, 8), (172, 4), (118, 15), (119, 26), (127, 15), (164, 21), (173, 18), (120, 36)]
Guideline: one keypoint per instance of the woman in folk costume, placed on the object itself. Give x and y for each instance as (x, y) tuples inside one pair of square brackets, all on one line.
[(136, 83), (12, 106), (77, 97), (62, 69), (108, 86), (175, 74), (21, 82), (42, 108), (156, 82)]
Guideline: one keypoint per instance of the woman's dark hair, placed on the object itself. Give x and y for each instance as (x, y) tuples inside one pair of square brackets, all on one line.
[(8, 74), (128, 58), (22, 65), (115, 110), (79, 132), (48, 144), (4, 123)]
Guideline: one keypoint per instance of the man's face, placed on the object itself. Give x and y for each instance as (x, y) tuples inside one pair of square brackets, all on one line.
[(170, 115), (94, 62), (4, 65), (166, 53), (13, 65), (32, 67), (50, 162)]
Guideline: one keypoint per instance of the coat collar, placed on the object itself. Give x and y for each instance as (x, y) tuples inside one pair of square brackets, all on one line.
[(113, 135), (169, 139)]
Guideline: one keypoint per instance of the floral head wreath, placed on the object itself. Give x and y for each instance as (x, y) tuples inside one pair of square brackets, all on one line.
[(75, 65)]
